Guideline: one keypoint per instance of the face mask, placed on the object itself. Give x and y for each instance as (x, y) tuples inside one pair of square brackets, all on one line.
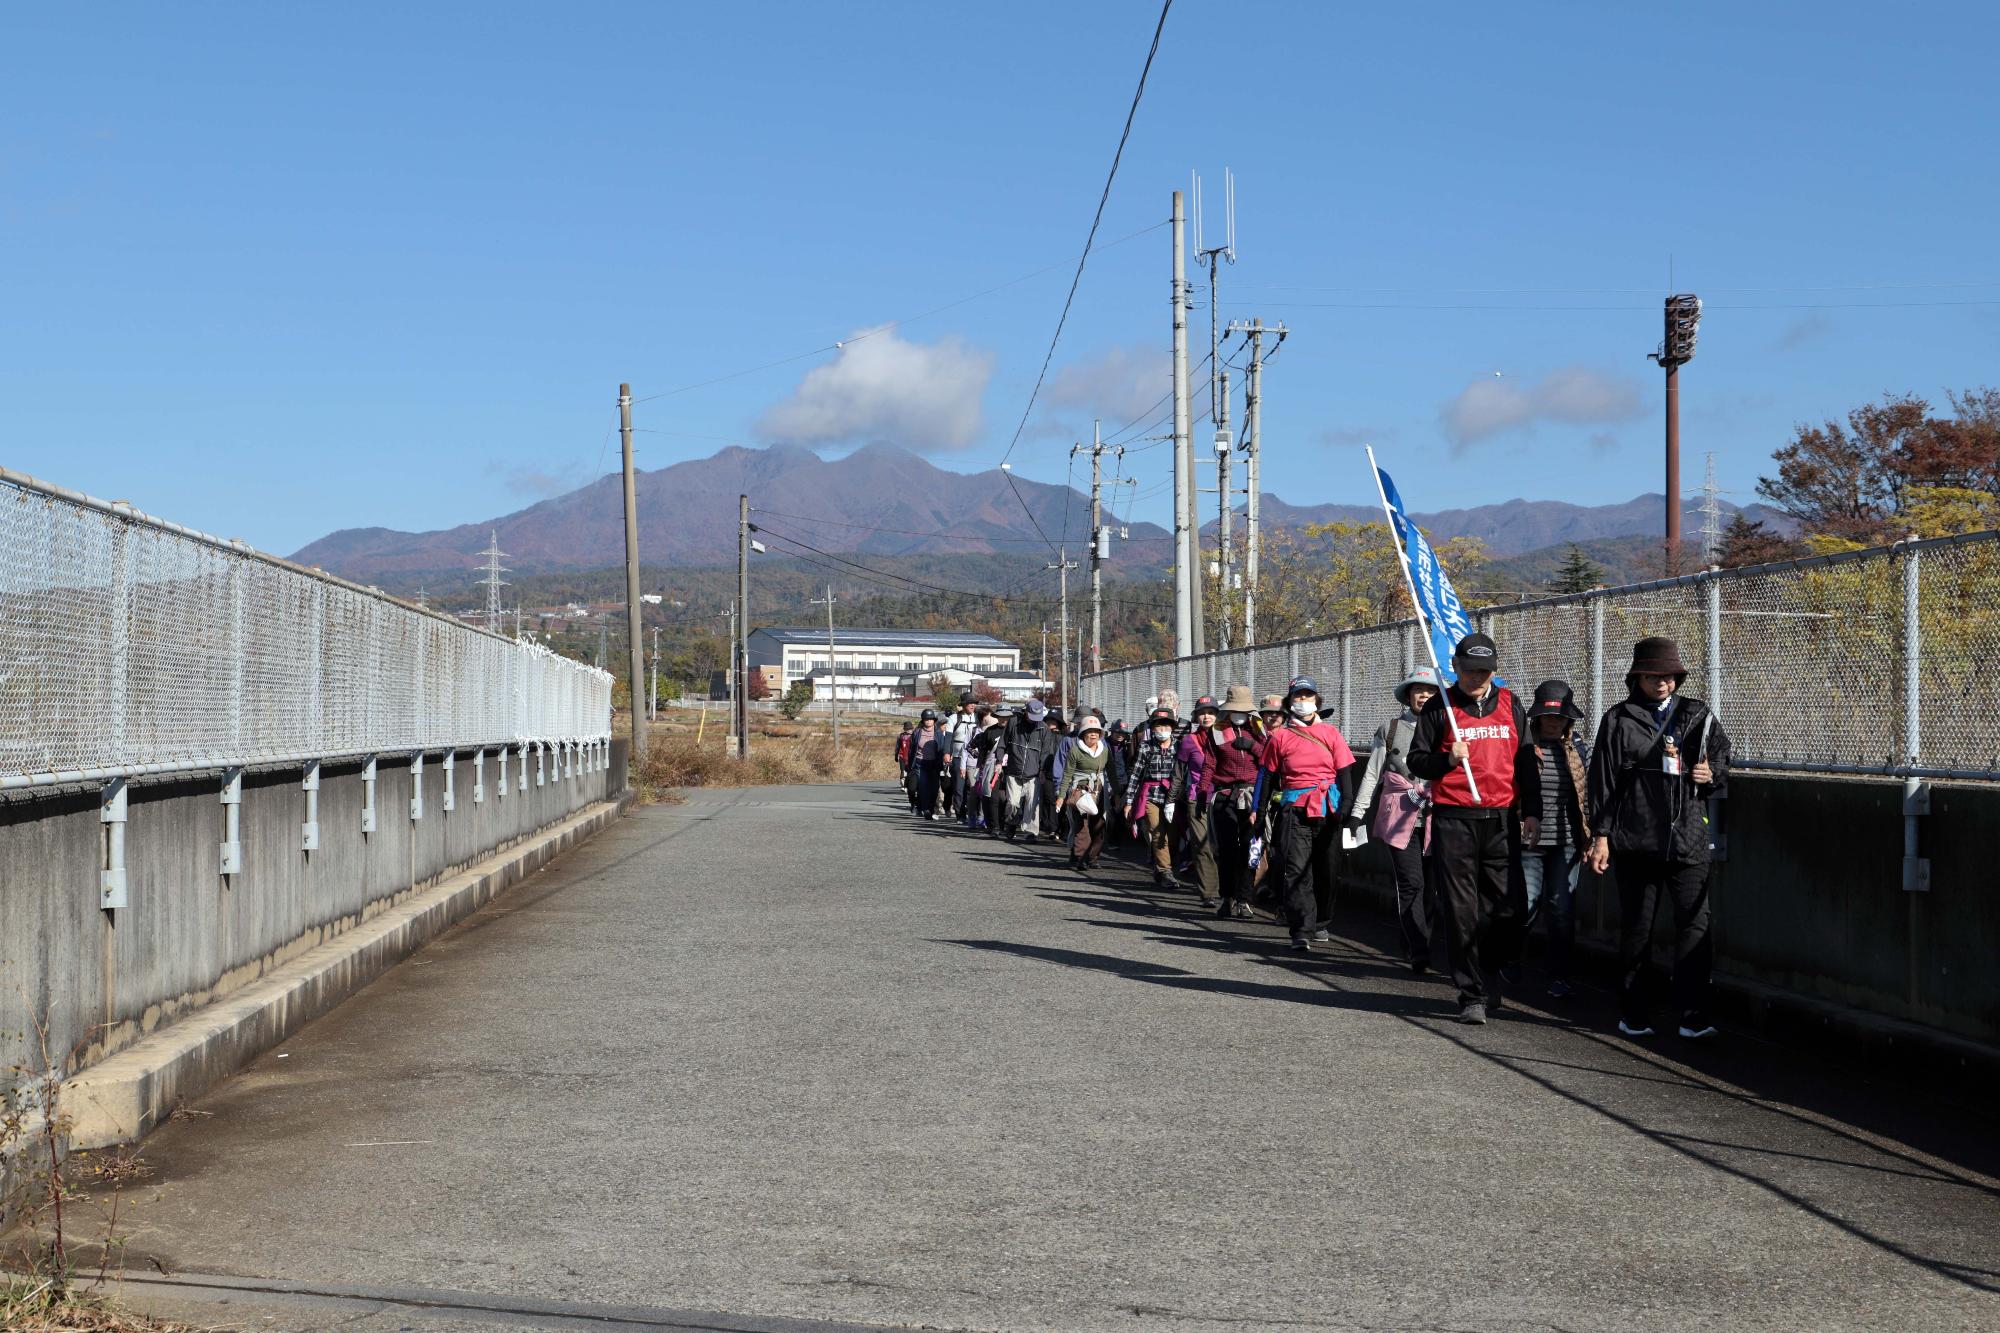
[(1238, 719), (1304, 708), (1162, 736)]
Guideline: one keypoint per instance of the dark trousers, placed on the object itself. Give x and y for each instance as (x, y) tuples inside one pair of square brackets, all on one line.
[(1229, 835), (947, 790), (1087, 843), (1469, 869), (1306, 850), (925, 783), (1414, 904), (1642, 881)]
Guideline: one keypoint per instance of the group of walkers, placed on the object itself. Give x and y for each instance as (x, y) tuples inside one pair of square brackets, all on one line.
[(1489, 811)]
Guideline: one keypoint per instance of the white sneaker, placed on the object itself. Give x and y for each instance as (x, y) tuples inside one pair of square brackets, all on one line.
[(1631, 1031)]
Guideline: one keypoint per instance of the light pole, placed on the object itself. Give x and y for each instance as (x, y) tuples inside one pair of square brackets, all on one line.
[(1683, 323)]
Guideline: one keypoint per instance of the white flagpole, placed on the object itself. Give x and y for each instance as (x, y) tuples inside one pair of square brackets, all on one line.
[(1417, 604)]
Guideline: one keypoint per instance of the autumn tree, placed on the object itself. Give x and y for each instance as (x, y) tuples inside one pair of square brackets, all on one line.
[(1325, 577), (1854, 482)]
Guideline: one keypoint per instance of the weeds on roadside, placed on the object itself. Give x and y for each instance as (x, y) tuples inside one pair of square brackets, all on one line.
[(42, 1293)]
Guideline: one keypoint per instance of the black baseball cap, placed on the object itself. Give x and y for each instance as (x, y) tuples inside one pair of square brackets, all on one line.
[(1475, 652)]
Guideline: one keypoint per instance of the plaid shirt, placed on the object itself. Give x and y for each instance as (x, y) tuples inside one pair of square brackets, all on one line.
[(1152, 764)]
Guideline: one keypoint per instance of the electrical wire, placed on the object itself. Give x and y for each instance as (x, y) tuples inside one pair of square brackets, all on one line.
[(1104, 197)]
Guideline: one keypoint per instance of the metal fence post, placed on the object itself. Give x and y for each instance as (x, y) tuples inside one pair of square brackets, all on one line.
[(1916, 792), (1713, 580), (1346, 675), (1291, 661), (120, 680), (1597, 702)]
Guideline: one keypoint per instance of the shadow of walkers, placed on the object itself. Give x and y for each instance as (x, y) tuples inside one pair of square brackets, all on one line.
[(1159, 974)]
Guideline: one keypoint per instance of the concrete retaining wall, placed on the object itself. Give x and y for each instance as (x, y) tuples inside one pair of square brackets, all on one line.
[(1809, 910), (188, 937)]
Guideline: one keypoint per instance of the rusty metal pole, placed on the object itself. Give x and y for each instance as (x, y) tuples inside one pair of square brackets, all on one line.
[(1673, 467)]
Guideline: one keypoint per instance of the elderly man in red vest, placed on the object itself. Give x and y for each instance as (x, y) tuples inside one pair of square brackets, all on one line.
[(1465, 745)]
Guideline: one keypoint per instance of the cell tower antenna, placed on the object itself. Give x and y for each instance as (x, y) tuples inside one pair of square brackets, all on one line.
[(494, 583)]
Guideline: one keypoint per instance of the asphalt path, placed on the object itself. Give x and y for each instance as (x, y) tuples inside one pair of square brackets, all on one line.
[(784, 1054)]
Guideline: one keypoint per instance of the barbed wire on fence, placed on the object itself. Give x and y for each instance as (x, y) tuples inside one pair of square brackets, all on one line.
[(1864, 662), (129, 645)]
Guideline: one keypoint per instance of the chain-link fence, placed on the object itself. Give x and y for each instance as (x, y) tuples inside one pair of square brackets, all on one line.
[(1870, 661), (130, 645)]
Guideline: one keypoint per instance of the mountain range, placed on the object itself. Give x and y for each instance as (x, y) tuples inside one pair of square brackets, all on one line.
[(879, 500)]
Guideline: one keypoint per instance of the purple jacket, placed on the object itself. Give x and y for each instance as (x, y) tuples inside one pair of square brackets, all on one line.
[(1200, 778)]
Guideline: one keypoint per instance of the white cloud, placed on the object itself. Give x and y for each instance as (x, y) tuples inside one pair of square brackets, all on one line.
[(1120, 385), (1575, 395), (881, 389)]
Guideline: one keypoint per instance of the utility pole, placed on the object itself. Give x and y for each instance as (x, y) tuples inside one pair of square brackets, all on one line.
[(1100, 541), (1045, 652), (653, 708), (1184, 555), (632, 603), (1683, 324), (832, 667), (1227, 558), (1218, 409), (1062, 566), (739, 631), (1252, 447)]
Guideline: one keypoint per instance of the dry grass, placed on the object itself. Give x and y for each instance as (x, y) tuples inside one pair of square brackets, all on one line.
[(779, 756), (30, 1305)]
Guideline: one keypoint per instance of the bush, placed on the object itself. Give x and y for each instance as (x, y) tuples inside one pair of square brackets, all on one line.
[(795, 700), (676, 761)]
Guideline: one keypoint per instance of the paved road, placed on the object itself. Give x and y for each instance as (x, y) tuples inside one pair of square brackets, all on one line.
[(783, 1054)]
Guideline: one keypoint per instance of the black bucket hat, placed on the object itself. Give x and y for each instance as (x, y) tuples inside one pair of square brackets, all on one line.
[(1553, 698), (1657, 656)]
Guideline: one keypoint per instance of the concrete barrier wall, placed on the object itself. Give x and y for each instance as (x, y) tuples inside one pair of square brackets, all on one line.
[(1809, 903), (188, 936)]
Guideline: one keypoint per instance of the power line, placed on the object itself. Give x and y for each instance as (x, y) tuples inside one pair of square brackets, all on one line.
[(1103, 198)]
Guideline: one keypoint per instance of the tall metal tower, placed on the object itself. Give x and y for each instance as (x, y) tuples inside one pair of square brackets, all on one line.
[(1711, 515), (494, 583)]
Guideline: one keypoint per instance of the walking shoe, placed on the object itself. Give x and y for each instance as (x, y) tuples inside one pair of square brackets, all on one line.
[(1076, 863), (1241, 911), (1559, 990), (1226, 910), (1300, 944), (1419, 966), (1695, 1026), (1474, 1013), (1642, 1030), (1321, 937)]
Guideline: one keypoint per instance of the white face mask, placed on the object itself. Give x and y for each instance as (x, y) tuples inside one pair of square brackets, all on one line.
[(1304, 707), (1238, 719), (1162, 736)]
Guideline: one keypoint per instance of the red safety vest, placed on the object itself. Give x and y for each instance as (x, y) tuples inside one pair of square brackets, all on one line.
[(1493, 743)]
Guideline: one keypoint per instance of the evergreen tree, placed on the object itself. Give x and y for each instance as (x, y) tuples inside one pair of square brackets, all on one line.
[(1578, 573)]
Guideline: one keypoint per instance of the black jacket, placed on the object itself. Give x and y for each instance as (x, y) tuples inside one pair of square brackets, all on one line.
[(1633, 801), (1430, 751), (1029, 746)]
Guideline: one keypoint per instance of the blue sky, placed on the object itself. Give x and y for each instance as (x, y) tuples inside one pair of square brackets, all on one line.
[(271, 270)]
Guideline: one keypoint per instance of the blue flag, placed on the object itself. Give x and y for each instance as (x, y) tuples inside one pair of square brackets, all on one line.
[(1444, 615)]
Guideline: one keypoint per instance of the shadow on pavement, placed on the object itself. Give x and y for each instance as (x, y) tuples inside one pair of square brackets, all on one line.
[(1812, 1124)]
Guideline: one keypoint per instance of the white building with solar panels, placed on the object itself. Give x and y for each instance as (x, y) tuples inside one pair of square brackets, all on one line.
[(875, 664)]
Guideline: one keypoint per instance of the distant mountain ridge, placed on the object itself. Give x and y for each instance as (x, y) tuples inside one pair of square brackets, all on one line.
[(879, 500)]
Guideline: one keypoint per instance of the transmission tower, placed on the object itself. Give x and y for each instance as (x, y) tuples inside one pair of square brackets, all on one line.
[(494, 583), (1711, 515)]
